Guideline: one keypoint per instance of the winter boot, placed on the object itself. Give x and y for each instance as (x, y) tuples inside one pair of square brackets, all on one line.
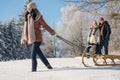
[(49, 66), (33, 70)]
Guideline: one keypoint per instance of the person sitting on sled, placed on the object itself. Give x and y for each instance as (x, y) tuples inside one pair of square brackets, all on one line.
[(93, 38), (32, 34)]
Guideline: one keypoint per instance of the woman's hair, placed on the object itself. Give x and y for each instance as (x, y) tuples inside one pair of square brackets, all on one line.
[(26, 15), (94, 24), (33, 13)]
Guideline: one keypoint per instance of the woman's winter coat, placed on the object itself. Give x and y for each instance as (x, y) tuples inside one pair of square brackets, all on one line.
[(93, 36), (32, 33)]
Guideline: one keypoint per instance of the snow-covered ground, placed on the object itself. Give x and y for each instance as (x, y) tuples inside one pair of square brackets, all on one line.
[(64, 69)]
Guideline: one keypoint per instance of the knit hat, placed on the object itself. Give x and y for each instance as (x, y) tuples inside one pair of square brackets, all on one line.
[(101, 19), (31, 5)]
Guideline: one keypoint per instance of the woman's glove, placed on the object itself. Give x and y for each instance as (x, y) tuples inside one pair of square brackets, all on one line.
[(22, 41)]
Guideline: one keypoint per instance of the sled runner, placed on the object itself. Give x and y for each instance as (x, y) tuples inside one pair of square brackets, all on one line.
[(98, 60)]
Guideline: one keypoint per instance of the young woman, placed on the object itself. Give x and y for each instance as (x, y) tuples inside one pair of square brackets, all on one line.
[(94, 37), (32, 34)]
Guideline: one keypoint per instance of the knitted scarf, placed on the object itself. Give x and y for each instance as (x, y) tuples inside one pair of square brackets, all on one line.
[(28, 33), (102, 28)]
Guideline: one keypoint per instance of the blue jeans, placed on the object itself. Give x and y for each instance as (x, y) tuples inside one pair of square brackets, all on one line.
[(36, 51), (104, 43)]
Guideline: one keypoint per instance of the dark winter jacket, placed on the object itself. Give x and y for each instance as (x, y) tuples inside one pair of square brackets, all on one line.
[(105, 30)]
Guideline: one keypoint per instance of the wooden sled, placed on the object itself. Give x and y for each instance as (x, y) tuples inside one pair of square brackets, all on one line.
[(102, 58), (94, 56)]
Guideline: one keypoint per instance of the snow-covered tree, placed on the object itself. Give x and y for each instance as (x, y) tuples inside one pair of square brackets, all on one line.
[(70, 27)]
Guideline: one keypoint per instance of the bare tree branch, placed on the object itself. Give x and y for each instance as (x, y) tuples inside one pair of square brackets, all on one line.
[(90, 5)]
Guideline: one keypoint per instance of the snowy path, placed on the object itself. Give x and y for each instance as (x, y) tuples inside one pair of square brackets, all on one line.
[(64, 69)]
